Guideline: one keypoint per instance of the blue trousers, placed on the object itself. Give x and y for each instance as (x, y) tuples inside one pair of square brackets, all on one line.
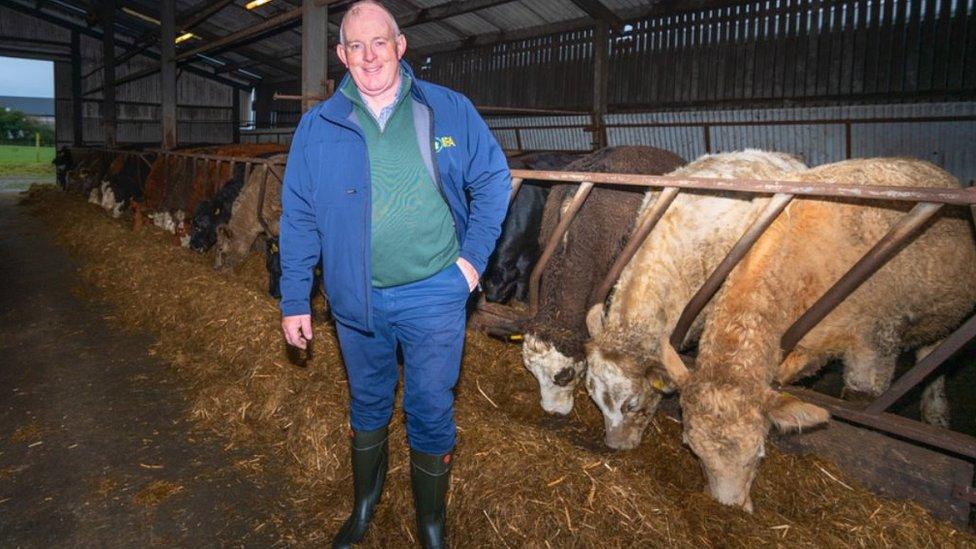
[(426, 319)]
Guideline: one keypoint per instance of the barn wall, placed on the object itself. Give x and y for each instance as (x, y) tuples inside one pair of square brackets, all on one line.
[(204, 112), (760, 52), (942, 133)]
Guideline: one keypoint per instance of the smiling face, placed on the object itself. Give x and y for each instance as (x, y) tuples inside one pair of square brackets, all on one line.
[(371, 50)]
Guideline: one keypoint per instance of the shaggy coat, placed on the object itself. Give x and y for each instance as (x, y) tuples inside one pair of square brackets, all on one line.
[(553, 349), (256, 211), (917, 298), (624, 373)]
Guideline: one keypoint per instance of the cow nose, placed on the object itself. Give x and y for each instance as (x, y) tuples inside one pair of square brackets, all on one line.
[(564, 377)]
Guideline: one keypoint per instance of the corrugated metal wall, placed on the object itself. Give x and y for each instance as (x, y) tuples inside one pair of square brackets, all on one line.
[(943, 133), (752, 52)]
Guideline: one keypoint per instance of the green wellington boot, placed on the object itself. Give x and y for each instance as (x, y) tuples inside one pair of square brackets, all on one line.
[(369, 462), (430, 476)]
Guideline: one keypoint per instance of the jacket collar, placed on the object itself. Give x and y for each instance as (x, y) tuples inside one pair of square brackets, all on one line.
[(338, 107)]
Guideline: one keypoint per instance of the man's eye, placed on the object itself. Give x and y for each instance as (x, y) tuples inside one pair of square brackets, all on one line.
[(380, 43), (356, 47)]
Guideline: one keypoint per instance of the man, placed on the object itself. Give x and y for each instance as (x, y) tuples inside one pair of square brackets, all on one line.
[(401, 189)]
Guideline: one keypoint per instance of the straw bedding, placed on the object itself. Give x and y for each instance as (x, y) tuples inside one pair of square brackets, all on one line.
[(520, 479)]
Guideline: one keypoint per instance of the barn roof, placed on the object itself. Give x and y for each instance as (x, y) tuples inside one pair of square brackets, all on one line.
[(274, 55)]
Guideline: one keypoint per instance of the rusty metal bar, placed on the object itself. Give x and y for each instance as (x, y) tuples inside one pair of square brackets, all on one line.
[(897, 238), (645, 224), (950, 346), (958, 196), (516, 185), (536, 277), (715, 280), (937, 437)]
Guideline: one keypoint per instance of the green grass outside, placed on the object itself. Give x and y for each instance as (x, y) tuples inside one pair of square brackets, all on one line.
[(18, 160)]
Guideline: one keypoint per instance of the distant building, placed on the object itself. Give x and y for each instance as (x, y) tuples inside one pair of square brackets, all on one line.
[(40, 109)]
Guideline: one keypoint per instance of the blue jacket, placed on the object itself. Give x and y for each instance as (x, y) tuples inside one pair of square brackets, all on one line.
[(326, 206)]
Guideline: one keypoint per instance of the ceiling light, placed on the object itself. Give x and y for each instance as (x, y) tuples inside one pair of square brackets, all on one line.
[(144, 17), (184, 37), (255, 3)]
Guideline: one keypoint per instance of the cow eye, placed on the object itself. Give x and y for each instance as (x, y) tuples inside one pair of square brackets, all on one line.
[(632, 404)]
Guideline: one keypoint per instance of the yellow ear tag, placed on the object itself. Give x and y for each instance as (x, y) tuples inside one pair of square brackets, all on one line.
[(274, 248), (515, 337), (217, 211), (658, 385)]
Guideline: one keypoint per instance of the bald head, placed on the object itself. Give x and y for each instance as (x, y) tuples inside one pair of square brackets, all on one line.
[(367, 7)]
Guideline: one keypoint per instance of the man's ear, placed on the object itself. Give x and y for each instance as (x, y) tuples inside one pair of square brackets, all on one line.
[(341, 52), (401, 44), (789, 413)]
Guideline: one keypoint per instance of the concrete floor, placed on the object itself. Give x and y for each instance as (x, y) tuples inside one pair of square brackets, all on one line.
[(95, 445)]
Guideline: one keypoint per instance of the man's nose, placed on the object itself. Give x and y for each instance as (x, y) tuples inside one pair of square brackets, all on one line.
[(369, 55)]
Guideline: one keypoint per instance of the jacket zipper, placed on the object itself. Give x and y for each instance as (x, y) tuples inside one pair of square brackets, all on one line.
[(437, 177)]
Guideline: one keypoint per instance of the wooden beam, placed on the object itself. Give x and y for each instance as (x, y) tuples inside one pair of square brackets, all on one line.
[(315, 51), (107, 16), (242, 35), (599, 11), (601, 70), (286, 54), (87, 31), (77, 127), (167, 48), (235, 127)]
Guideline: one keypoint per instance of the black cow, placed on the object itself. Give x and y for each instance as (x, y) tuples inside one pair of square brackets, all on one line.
[(63, 163), (213, 212), (272, 261), (507, 274)]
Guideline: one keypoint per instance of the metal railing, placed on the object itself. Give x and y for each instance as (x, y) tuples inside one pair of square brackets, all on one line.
[(929, 201)]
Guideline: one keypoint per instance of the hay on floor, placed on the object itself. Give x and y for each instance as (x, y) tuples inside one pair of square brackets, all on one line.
[(520, 479)]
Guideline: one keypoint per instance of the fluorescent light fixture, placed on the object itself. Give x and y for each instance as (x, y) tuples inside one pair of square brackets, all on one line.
[(255, 3), (184, 37), (142, 16)]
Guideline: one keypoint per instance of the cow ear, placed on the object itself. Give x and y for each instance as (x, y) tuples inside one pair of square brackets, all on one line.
[(673, 365), (789, 413), (594, 320)]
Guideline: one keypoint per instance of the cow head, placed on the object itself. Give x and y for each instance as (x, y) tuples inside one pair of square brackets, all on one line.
[(230, 250), (628, 394), (726, 422), (557, 374)]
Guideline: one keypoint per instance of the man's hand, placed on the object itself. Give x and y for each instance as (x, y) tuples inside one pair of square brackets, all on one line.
[(470, 274), (298, 330)]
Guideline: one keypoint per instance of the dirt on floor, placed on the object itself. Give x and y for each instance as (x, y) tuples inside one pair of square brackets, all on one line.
[(521, 478), (97, 447)]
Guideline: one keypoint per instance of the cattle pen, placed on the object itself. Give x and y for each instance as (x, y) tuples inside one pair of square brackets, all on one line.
[(731, 302)]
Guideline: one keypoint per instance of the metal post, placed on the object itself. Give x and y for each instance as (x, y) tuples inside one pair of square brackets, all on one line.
[(235, 128), (645, 225), (77, 126), (315, 51), (107, 14), (167, 49), (601, 62), (897, 238), (776, 205), (926, 366), (536, 277)]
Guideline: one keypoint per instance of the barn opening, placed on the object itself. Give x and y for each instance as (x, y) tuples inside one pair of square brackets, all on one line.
[(27, 109)]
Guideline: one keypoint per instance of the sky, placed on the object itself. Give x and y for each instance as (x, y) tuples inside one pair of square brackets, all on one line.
[(26, 77)]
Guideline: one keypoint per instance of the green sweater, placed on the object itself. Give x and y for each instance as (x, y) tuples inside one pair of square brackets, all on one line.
[(413, 234)]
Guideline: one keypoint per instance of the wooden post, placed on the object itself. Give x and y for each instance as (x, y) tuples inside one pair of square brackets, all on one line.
[(108, 72), (167, 48), (77, 126), (315, 51), (235, 127), (601, 62)]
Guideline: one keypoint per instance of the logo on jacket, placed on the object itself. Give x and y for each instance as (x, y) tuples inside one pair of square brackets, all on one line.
[(443, 143)]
